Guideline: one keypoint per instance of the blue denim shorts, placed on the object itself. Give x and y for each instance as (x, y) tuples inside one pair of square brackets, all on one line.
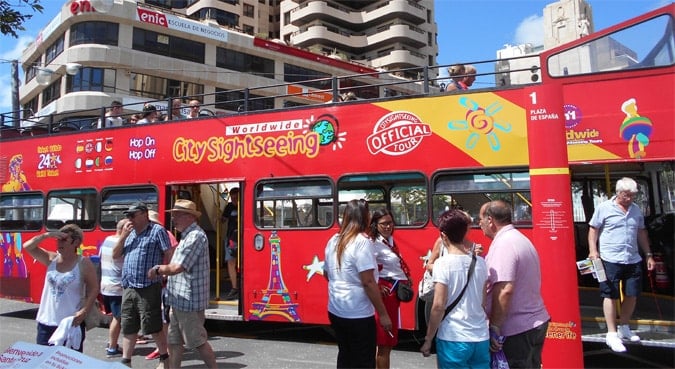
[(629, 274)]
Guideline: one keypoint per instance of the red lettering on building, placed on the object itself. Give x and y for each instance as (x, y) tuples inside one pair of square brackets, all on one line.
[(148, 16), (82, 6)]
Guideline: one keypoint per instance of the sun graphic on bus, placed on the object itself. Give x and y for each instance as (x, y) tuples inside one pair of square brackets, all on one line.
[(327, 127), (480, 122)]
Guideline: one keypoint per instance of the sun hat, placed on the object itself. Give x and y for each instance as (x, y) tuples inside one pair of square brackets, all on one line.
[(185, 206)]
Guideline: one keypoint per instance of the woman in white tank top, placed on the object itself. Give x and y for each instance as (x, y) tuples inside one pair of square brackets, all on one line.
[(62, 291)]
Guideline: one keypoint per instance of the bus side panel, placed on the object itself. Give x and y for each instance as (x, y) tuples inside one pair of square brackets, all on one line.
[(621, 119)]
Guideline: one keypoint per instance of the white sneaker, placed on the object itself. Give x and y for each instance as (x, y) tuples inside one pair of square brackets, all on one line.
[(625, 333), (614, 342)]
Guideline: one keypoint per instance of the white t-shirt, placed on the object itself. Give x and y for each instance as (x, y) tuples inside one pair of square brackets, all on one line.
[(391, 264), (346, 296), (467, 322), (111, 122)]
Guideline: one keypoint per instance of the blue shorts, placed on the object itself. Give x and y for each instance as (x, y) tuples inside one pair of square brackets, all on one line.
[(451, 354), (231, 251), (630, 274), (113, 305)]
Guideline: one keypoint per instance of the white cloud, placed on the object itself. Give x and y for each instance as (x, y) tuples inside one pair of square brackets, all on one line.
[(20, 45), (5, 71), (530, 31)]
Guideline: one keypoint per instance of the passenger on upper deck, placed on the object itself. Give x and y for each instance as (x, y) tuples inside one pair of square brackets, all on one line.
[(150, 114), (462, 76), (194, 109), (112, 116), (175, 111)]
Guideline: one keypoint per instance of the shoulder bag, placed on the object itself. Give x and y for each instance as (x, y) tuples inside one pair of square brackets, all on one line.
[(461, 294)]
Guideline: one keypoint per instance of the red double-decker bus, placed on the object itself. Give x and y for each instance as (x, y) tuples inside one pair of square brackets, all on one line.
[(601, 108)]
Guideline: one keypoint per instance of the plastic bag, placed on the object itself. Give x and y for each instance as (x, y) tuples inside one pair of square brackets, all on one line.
[(498, 360), (426, 287)]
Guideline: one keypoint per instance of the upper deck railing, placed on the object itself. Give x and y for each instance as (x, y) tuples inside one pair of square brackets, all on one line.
[(338, 89)]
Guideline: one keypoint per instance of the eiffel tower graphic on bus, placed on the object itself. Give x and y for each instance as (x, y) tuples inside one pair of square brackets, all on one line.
[(275, 300)]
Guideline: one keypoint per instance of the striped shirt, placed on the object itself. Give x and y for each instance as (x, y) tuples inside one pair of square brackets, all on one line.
[(111, 269), (189, 290), (142, 252)]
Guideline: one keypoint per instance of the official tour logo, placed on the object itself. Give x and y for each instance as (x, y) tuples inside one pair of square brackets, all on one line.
[(397, 133)]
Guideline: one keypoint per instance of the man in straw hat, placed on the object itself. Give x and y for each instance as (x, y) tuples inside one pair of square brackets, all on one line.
[(143, 244), (188, 286)]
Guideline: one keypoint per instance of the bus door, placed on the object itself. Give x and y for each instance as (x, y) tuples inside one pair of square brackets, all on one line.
[(221, 212)]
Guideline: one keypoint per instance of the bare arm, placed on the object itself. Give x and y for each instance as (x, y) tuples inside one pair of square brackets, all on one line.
[(169, 269), (38, 253), (643, 241), (593, 243), (436, 316), (118, 249), (435, 254), (373, 291), (502, 292), (91, 290)]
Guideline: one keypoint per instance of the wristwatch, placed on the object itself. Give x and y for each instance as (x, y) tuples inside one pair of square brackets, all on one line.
[(157, 269), (649, 254)]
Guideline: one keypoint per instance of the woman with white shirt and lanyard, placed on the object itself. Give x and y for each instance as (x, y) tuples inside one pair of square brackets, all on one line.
[(353, 294), (393, 270)]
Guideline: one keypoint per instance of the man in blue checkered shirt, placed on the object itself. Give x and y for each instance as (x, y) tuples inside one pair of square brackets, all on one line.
[(188, 286)]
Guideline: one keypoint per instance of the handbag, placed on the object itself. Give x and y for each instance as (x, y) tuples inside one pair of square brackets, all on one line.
[(426, 286), (94, 315), (404, 292)]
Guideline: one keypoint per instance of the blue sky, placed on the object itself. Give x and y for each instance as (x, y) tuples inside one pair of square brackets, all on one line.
[(468, 30)]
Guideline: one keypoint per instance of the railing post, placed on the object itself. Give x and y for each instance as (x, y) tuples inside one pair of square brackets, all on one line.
[(336, 91), (101, 117), (426, 80), (169, 108), (246, 97), (50, 124)]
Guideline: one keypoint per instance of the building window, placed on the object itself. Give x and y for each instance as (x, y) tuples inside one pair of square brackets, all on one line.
[(54, 50), (249, 10), (234, 101), (92, 79), (248, 29), (222, 17), (104, 33), (162, 88), (171, 46), (303, 76), (31, 70), (30, 108), (51, 93), (243, 62)]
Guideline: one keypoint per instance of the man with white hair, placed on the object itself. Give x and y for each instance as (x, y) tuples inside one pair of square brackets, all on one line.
[(188, 286), (616, 229)]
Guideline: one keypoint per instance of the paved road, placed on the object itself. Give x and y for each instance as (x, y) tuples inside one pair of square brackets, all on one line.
[(237, 345), (269, 345)]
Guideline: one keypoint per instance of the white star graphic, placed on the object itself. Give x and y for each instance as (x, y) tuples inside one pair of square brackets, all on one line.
[(316, 267)]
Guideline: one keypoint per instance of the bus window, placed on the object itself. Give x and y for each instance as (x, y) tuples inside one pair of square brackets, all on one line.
[(21, 211), (644, 45), (114, 201), (76, 206), (588, 193), (469, 191), (667, 187), (405, 194), (297, 203)]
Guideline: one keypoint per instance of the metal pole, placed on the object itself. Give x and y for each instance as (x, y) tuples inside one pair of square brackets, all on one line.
[(15, 94)]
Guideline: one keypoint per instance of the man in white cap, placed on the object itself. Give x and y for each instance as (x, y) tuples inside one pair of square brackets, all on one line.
[(188, 286)]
